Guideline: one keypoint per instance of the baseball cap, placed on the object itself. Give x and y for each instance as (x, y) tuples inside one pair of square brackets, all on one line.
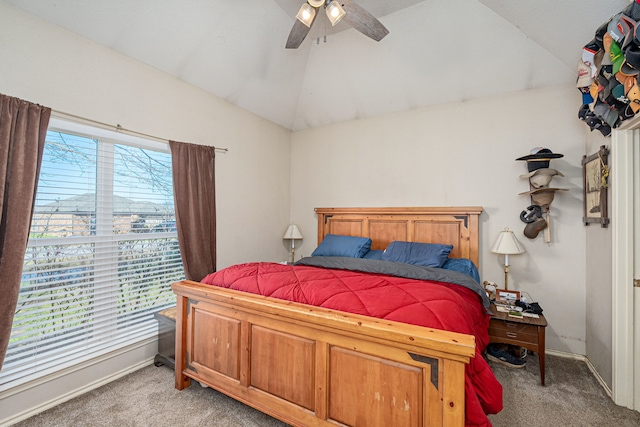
[(584, 75), (617, 58), (632, 55), (634, 98), (628, 26), (584, 112), (606, 113), (633, 10), (595, 123), (588, 56), (586, 95), (626, 81), (606, 43), (618, 91), (626, 113), (628, 69), (614, 30), (594, 89)]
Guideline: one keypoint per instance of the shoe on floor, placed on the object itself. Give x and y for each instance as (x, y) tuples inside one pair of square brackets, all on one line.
[(501, 355)]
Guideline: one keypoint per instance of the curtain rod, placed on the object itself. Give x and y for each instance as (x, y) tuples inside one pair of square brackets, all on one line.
[(118, 128)]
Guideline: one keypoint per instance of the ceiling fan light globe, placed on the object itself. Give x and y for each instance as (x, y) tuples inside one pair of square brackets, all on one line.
[(316, 3), (335, 12), (306, 14)]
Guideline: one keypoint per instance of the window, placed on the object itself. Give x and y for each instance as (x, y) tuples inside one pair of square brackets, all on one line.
[(102, 251)]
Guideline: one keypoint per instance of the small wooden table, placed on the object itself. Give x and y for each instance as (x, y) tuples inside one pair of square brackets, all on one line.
[(166, 338), (527, 332)]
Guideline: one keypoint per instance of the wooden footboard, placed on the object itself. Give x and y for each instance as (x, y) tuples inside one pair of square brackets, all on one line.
[(310, 366)]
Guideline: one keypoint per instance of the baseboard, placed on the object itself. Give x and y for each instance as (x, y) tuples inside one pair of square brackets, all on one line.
[(142, 360), (586, 360)]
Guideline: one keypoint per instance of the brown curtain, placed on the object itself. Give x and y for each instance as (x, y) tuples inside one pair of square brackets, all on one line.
[(23, 129), (195, 202)]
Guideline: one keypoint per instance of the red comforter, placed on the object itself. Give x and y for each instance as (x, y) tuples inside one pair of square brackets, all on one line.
[(432, 304)]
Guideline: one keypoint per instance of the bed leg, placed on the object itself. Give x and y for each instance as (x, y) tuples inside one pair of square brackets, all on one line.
[(182, 381)]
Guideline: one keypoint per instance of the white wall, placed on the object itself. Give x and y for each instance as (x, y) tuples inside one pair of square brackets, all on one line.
[(48, 65), (464, 154), (45, 64)]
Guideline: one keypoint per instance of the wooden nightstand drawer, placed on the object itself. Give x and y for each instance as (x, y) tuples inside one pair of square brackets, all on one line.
[(514, 331)]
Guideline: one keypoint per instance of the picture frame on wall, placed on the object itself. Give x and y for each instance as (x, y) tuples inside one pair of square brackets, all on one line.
[(595, 172)]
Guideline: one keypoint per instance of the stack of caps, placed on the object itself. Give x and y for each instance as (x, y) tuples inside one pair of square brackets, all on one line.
[(539, 176), (608, 72)]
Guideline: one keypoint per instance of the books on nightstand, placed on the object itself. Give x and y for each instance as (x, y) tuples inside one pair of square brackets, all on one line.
[(516, 314), (513, 312)]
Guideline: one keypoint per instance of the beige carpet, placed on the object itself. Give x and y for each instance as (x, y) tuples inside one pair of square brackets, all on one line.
[(571, 397), (147, 397)]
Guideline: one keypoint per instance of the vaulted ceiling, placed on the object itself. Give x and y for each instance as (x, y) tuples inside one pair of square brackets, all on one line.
[(437, 51)]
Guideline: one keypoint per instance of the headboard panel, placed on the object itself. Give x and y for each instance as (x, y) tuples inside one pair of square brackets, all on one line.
[(457, 226)]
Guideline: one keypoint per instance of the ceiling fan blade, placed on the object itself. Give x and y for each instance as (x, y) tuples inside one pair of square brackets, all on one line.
[(298, 33), (363, 21)]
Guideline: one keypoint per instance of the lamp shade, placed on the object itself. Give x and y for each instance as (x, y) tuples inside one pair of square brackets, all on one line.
[(335, 12), (507, 243), (306, 14), (292, 233)]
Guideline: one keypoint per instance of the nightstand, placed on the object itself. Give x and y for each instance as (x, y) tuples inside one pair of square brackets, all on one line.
[(527, 332), (166, 337)]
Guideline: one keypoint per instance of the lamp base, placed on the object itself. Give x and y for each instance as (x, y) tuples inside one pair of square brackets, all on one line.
[(506, 277)]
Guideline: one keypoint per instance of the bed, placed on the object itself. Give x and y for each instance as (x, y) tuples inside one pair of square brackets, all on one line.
[(317, 366)]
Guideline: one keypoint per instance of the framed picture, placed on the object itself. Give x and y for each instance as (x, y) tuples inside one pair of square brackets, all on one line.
[(595, 171), (504, 296)]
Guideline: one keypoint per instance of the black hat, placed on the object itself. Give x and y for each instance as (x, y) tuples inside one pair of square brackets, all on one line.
[(584, 112), (539, 158), (632, 10), (594, 122), (600, 32), (632, 56), (530, 214)]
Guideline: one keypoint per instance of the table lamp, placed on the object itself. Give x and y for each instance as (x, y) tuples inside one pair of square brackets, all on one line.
[(506, 244), (292, 234)]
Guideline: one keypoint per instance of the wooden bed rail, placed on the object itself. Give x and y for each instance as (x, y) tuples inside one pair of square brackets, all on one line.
[(310, 366)]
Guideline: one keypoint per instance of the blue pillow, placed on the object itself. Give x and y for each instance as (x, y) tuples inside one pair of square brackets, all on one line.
[(462, 265), (373, 254), (425, 254), (347, 246)]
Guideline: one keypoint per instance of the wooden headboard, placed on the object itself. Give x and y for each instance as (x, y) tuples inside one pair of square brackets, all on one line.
[(457, 226)]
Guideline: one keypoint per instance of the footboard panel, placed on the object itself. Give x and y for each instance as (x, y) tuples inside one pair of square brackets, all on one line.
[(309, 366)]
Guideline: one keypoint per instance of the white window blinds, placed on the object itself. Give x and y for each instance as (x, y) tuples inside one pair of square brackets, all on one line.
[(102, 253)]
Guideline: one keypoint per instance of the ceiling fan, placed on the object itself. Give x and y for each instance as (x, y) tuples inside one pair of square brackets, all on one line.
[(352, 14)]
